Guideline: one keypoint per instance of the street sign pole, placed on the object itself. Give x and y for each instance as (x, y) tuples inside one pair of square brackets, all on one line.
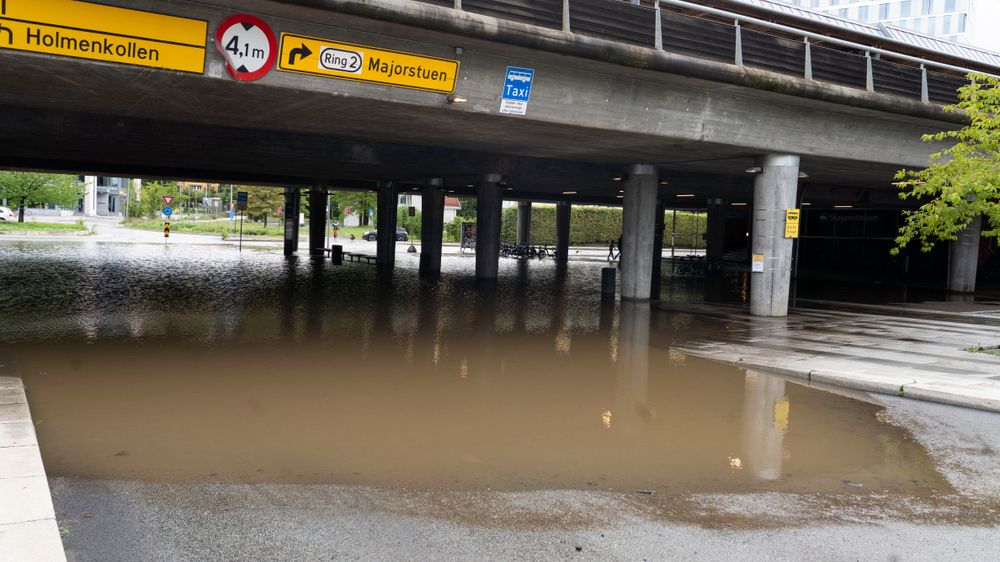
[(241, 231)]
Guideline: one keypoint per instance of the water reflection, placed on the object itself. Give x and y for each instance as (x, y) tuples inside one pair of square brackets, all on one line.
[(202, 365)]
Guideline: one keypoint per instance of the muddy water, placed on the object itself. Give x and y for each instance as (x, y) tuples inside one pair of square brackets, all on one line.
[(201, 365)]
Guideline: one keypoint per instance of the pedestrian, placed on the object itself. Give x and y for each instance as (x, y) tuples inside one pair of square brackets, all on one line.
[(611, 250)]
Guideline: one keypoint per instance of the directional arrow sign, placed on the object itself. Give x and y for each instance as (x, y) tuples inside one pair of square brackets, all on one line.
[(88, 30), (301, 53), (349, 61), (167, 199)]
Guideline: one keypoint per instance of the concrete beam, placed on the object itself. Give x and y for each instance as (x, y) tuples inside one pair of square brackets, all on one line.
[(963, 261), (774, 192), (489, 205), (431, 227), (385, 225), (317, 221), (638, 224)]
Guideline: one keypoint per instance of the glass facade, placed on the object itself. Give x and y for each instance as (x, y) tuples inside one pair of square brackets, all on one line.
[(940, 18)]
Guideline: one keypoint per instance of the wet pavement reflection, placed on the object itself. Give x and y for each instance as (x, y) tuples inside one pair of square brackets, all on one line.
[(200, 364)]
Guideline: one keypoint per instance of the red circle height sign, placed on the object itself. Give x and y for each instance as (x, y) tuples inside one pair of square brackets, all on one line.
[(248, 46)]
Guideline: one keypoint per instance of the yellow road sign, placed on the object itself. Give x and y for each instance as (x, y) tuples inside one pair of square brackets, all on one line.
[(792, 223), (347, 61), (166, 230), (106, 33)]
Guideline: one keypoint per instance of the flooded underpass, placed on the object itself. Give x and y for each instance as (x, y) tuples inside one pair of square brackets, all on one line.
[(191, 371)]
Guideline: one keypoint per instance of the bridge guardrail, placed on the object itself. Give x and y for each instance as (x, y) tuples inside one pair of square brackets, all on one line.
[(857, 65)]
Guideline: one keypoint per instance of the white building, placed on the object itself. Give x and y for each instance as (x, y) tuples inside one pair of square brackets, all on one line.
[(970, 22), (105, 196)]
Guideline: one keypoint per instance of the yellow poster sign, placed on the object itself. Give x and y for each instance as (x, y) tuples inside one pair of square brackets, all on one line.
[(347, 61), (792, 223), (106, 33)]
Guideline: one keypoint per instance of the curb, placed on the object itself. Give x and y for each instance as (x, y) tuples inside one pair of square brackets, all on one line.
[(893, 386), (28, 527)]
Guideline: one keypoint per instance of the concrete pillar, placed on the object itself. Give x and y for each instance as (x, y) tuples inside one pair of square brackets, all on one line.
[(317, 221), (431, 227), (564, 211), (385, 226), (715, 230), (489, 205), (963, 259), (291, 214), (773, 193), (524, 222), (638, 224), (657, 263)]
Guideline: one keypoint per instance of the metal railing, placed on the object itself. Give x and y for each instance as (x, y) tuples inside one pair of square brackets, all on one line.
[(853, 64)]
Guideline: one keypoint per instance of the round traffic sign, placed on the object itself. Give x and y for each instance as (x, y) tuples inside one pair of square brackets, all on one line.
[(167, 211), (248, 46)]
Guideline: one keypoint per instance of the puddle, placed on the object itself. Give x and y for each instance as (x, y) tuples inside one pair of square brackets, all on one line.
[(200, 366)]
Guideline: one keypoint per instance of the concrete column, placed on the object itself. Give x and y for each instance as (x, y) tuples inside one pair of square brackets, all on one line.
[(385, 227), (773, 193), (489, 205), (317, 221), (638, 225), (564, 211), (657, 263), (291, 214), (715, 230), (431, 227), (963, 262), (524, 222)]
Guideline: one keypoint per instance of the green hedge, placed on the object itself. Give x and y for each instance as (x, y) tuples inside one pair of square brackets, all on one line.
[(599, 225)]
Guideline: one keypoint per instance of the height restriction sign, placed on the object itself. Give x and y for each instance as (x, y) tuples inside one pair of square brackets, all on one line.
[(248, 45)]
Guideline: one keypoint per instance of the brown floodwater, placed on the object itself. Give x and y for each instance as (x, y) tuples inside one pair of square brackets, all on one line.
[(249, 368)]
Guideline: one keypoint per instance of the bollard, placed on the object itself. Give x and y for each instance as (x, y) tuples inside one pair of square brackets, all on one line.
[(337, 254), (608, 275)]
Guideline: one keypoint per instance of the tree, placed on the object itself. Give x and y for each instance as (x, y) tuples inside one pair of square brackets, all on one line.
[(263, 202), (963, 180), (360, 202), (30, 188), (150, 202)]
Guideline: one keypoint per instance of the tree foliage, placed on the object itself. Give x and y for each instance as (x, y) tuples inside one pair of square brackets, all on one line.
[(24, 189), (962, 180), (150, 201), (263, 202)]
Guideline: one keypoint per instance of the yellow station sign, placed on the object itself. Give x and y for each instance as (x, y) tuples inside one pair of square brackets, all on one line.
[(792, 223), (347, 61), (106, 33)]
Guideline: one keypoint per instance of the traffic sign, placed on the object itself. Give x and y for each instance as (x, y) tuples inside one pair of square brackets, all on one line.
[(167, 199), (167, 211), (516, 90), (242, 197), (361, 63), (792, 223), (92, 31), (248, 45), (166, 230)]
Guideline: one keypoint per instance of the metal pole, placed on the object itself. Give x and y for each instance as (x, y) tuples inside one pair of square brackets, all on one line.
[(869, 78), (565, 16), (658, 39), (739, 44), (924, 94), (809, 60), (458, 4), (241, 231)]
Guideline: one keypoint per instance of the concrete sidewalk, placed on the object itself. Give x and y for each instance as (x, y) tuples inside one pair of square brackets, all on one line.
[(28, 529), (920, 358)]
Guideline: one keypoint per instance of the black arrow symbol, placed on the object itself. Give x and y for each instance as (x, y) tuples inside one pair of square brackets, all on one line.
[(302, 52)]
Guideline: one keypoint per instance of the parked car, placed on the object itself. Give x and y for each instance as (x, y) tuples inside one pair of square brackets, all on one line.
[(401, 235), (7, 215)]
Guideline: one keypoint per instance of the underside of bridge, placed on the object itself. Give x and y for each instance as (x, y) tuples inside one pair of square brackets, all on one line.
[(607, 123)]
